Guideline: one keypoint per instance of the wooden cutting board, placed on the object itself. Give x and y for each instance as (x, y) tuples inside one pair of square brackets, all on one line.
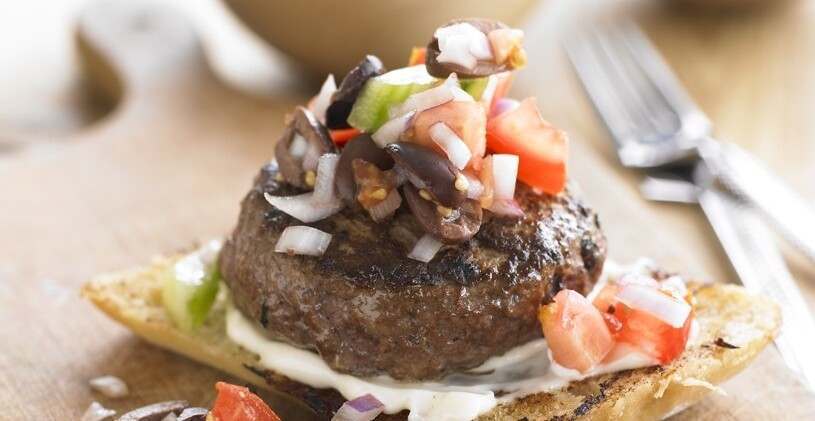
[(168, 167)]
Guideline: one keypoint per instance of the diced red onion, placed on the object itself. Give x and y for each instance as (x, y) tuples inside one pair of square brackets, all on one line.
[(424, 100), (452, 81), (97, 412), (303, 206), (193, 414), (301, 239), (675, 286), (324, 189), (635, 278), (455, 49), (387, 207), (321, 102), (459, 95), (298, 146), (425, 248), (504, 175), (503, 105), (109, 386), (506, 207), (662, 306), (489, 91), (170, 417), (391, 131), (480, 47), (457, 151), (475, 188), (364, 408), (311, 158), (462, 44)]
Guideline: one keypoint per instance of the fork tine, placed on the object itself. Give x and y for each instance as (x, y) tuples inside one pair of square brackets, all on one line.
[(653, 106), (659, 73), (609, 84), (605, 100), (628, 80), (644, 121)]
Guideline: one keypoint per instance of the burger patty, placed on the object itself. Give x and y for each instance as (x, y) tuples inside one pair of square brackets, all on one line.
[(368, 309)]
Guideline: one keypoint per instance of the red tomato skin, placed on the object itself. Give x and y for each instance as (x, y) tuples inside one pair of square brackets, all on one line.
[(541, 147), (575, 330), (640, 329), (237, 403), (607, 298), (417, 56), (650, 335), (341, 136)]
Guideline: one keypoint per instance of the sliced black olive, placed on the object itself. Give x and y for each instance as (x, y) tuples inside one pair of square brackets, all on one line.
[(429, 171), (360, 147), (193, 414), (451, 226), (336, 116), (304, 123), (155, 412), (482, 67)]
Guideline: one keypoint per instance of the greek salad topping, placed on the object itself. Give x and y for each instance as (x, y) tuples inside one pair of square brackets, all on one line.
[(421, 135)]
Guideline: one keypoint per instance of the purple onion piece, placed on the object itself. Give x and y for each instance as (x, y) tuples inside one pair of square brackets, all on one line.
[(155, 412), (193, 414), (364, 408)]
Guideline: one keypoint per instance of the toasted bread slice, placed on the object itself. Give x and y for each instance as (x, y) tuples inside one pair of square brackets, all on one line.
[(734, 327)]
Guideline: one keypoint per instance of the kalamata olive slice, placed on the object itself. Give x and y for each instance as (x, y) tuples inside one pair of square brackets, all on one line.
[(155, 412), (336, 116), (193, 414), (482, 67), (451, 226), (429, 171), (318, 142), (360, 147)]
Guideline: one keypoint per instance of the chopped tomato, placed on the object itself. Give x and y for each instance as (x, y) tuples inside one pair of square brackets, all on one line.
[(237, 403), (342, 136), (507, 46), (467, 119), (607, 296), (650, 334), (541, 147), (417, 56), (577, 335), (639, 328)]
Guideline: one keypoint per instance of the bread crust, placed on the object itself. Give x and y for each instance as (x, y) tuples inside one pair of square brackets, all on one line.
[(727, 315)]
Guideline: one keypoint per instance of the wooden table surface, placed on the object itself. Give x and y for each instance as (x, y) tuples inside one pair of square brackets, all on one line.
[(86, 189)]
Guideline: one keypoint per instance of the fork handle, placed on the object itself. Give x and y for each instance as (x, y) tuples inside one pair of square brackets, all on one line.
[(744, 175)]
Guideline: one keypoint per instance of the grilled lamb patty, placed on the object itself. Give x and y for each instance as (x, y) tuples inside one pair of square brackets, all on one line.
[(368, 309)]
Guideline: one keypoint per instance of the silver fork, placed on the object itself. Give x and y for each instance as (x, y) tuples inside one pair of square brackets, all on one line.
[(655, 124), (658, 128)]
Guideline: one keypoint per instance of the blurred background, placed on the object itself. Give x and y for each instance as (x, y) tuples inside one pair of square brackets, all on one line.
[(134, 138)]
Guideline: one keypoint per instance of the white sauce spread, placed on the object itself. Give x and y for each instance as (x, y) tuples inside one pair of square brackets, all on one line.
[(522, 371)]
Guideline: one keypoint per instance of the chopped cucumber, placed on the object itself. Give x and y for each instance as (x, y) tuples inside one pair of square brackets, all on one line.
[(190, 287), (475, 87), (382, 92)]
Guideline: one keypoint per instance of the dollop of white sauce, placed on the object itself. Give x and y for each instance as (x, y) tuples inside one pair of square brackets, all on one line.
[(524, 370)]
